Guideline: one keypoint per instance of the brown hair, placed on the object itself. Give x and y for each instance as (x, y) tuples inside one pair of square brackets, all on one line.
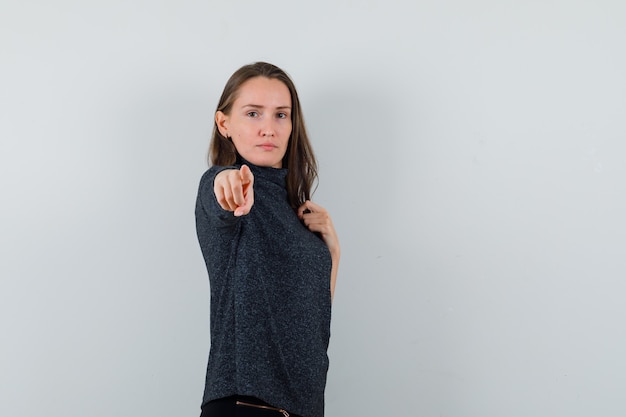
[(299, 158)]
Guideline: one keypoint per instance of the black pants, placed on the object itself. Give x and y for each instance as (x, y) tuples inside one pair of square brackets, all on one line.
[(228, 407)]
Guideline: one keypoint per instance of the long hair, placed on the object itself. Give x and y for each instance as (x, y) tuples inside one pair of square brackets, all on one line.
[(299, 158)]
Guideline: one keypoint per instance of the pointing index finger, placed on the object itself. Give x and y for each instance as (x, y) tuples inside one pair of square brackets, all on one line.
[(246, 175)]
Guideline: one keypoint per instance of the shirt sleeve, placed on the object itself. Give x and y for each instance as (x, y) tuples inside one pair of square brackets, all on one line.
[(206, 196)]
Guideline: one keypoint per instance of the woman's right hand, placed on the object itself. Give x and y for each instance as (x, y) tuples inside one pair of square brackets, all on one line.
[(233, 190)]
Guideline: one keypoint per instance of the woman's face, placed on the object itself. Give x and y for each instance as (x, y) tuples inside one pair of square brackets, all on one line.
[(259, 122)]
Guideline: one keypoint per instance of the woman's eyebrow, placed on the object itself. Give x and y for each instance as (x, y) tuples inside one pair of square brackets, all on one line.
[(259, 106)]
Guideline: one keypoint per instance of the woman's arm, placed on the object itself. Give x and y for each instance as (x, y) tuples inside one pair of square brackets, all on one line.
[(317, 219)]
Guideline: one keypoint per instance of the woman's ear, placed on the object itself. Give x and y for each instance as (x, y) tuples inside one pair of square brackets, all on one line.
[(221, 120)]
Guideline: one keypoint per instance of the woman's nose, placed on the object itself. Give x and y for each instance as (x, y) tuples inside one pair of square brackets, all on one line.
[(268, 130)]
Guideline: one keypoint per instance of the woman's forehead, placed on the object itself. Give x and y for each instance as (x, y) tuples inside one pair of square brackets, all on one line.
[(263, 92)]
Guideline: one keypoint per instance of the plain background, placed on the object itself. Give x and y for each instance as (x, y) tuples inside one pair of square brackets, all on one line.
[(472, 154)]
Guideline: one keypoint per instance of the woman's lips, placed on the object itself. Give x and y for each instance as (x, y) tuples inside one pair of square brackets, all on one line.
[(267, 146)]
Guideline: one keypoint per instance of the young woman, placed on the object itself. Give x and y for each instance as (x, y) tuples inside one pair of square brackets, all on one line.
[(272, 255)]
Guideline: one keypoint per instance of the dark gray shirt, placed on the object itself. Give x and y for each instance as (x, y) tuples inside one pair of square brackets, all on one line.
[(270, 298)]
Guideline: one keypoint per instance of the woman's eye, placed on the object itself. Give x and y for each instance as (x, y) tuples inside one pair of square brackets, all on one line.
[(282, 115), (253, 114)]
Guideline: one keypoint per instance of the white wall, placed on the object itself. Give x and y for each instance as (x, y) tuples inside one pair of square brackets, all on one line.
[(473, 155)]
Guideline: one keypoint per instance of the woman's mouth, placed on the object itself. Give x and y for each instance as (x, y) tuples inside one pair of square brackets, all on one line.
[(267, 146)]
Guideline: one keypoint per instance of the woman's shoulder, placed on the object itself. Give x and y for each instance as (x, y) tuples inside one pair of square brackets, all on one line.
[(213, 170)]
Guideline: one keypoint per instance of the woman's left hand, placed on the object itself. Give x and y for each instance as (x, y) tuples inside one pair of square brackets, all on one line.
[(317, 219)]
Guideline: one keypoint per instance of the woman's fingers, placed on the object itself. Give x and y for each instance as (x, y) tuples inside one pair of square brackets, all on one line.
[(234, 190), (224, 197), (317, 219), (309, 207), (244, 204)]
